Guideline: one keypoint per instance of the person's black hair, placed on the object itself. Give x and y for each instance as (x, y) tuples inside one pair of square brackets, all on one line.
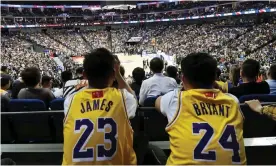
[(31, 76), (199, 69), (138, 74), (45, 80), (272, 71), (4, 80), (156, 65), (171, 71), (122, 71), (235, 75), (66, 76), (99, 67), (4, 68), (79, 70), (250, 69)]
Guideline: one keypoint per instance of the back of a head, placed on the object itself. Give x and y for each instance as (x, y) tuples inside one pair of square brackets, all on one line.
[(79, 70), (45, 80), (156, 65), (66, 76), (31, 76), (199, 69), (4, 68), (138, 74), (235, 75), (99, 67), (5, 81), (250, 69), (272, 71), (171, 71)]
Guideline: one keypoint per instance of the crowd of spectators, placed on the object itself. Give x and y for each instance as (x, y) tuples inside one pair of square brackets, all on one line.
[(179, 9), (229, 44)]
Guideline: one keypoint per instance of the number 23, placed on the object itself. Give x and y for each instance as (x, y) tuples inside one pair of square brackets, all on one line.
[(80, 153)]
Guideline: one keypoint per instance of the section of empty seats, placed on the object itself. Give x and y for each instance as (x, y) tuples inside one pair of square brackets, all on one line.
[(32, 127)]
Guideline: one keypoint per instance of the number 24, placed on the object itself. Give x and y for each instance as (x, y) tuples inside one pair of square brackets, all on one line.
[(229, 131)]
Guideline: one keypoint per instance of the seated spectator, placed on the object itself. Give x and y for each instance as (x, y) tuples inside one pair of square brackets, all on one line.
[(79, 73), (172, 72), (138, 75), (222, 85), (249, 73), (47, 82), (31, 77), (195, 109), (234, 75), (17, 86), (272, 78), (65, 76), (5, 85), (4, 70), (158, 84), (69, 86), (114, 108)]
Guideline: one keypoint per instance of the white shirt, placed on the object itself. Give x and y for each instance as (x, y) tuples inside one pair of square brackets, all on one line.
[(130, 102), (155, 86), (169, 104)]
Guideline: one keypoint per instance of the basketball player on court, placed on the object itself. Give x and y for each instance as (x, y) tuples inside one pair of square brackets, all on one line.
[(96, 125), (205, 125)]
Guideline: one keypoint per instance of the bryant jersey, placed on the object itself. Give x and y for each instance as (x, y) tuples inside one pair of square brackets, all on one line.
[(207, 129), (97, 129)]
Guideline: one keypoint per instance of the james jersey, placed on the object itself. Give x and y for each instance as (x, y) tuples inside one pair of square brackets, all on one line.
[(97, 129), (207, 129)]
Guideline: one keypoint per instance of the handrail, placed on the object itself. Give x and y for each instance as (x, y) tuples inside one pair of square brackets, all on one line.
[(61, 111)]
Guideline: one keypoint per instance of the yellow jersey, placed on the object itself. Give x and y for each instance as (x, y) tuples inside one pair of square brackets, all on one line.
[(207, 129), (2, 91), (97, 130), (223, 85)]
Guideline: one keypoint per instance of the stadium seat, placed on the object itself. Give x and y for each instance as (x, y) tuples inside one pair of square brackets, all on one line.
[(18, 105), (150, 102), (7, 132), (4, 105), (57, 104), (57, 117), (261, 97), (32, 127), (154, 124), (256, 125)]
